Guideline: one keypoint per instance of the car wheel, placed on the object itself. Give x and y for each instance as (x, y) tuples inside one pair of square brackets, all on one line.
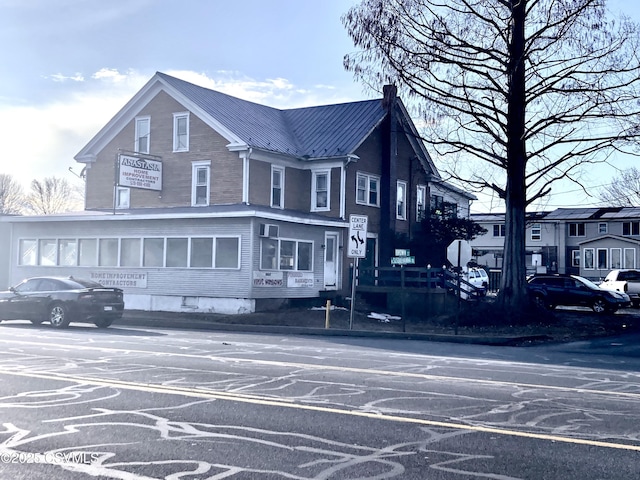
[(600, 306), (103, 322), (58, 316), (540, 302)]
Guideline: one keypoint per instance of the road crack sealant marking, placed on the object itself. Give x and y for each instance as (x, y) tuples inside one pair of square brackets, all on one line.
[(312, 366), (257, 400)]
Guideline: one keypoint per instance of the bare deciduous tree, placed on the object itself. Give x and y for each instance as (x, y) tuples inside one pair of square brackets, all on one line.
[(11, 195), (514, 94), (51, 195), (624, 190)]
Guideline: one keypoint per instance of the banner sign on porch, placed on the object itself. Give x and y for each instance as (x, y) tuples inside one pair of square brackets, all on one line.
[(120, 279), (268, 279), (139, 172)]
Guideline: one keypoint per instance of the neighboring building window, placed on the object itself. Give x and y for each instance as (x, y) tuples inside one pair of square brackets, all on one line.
[(602, 228), (421, 202), (498, 230), (576, 230), (588, 258), (368, 190), (280, 254), (123, 197), (616, 258), (536, 232), (631, 228), (47, 252), (200, 183), (629, 258), (320, 190), (603, 263), (401, 200), (28, 252), (575, 258), (67, 252), (277, 186), (143, 134), (181, 132)]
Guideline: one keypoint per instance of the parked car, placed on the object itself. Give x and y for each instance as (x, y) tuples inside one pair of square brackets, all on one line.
[(551, 290), (478, 277), (61, 300), (624, 280)]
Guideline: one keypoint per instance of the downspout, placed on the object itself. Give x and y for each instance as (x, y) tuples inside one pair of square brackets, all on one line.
[(245, 176)]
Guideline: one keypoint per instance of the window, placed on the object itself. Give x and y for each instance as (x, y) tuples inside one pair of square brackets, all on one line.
[(320, 191), (280, 254), (536, 232), (177, 249), (28, 251), (200, 178), (576, 230), (575, 258), (201, 252), (367, 190), (181, 132), (88, 252), (47, 252), (616, 258), (602, 228), (631, 228), (498, 230), (67, 252), (123, 195), (629, 258), (588, 258), (227, 252), (153, 252), (142, 134), (130, 252), (277, 186), (108, 252), (421, 202), (401, 200), (602, 259)]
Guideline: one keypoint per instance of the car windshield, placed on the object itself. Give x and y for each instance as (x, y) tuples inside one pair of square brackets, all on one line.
[(588, 283)]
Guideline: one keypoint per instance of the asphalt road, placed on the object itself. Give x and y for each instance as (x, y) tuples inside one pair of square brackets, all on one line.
[(141, 403)]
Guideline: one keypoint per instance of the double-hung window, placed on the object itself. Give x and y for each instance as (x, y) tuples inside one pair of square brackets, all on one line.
[(123, 197), (181, 132), (401, 200), (421, 199), (277, 186), (367, 190), (536, 232), (200, 183), (498, 230), (320, 192), (142, 134), (576, 230)]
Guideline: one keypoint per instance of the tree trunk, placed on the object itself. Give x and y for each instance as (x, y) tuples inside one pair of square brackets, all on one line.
[(513, 294)]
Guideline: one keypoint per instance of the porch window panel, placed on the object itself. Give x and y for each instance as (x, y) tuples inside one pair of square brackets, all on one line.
[(28, 251), (108, 252), (67, 252), (603, 263), (228, 252), (616, 258), (130, 252), (588, 258), (88, 252), (47, 252), (305, 251), (269, 254), (153, 253), (201, 252), (177, 252), (629, 258), (287, 254)]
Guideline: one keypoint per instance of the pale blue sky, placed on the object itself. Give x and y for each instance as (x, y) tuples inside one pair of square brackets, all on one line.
[(70, 65)]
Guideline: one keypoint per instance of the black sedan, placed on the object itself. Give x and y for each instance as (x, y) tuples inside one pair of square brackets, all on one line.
[(61, 300)]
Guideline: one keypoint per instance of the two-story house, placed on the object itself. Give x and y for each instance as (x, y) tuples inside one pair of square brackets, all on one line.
[(200, 201), (582, 241)]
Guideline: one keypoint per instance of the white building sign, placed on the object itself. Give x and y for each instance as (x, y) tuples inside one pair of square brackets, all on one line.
[(120, 279), (139, 172)]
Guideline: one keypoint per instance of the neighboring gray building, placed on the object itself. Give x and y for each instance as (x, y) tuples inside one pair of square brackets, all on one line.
[(584, 241)]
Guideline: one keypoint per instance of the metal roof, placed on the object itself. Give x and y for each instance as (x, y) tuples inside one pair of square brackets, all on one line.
[(311, 132)]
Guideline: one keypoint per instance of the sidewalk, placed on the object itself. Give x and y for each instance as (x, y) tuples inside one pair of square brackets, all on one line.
[(284, 323)]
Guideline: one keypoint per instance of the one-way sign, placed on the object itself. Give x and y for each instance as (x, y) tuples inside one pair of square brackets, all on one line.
[(357, 246)]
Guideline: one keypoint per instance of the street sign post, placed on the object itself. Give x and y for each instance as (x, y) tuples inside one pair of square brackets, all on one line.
[(357, 248)]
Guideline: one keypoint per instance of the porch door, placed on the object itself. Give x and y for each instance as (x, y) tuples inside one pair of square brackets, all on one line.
[(330, 261)]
